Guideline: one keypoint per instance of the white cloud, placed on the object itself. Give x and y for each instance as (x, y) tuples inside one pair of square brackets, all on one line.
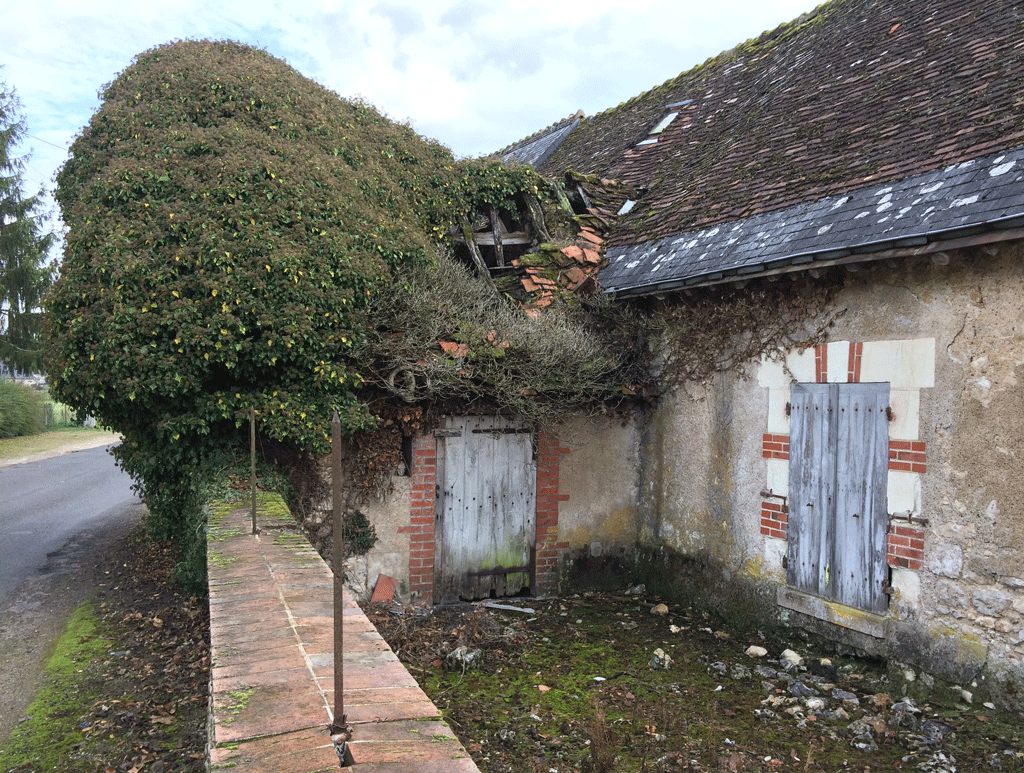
[(476, 76)]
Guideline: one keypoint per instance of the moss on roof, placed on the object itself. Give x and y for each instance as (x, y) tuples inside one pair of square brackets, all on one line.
[(855, 93)]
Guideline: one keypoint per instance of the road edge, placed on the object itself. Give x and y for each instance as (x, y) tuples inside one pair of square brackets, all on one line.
[(68, 448)]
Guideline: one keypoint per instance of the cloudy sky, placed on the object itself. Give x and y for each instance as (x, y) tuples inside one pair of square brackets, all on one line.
[(475, 75)]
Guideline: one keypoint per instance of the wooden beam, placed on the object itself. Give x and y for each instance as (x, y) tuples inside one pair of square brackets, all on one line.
[(478, 259), (496, 228), (536, 214), (487, 240)]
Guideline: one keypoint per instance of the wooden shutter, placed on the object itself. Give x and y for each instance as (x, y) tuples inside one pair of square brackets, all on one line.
[(839, 450)]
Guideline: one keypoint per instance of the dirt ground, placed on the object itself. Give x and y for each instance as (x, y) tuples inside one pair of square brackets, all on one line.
[(138, 701), (603, 683)]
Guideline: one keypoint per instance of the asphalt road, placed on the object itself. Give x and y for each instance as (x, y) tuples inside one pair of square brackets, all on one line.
[(58, 515), (49, 507)]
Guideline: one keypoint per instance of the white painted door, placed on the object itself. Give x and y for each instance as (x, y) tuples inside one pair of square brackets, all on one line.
[(486, 508)]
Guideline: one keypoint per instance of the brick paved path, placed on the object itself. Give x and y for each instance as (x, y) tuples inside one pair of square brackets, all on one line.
[(272, 680)]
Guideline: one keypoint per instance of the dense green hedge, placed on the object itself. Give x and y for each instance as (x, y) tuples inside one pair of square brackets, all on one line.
[(21, 410), (228, 221)]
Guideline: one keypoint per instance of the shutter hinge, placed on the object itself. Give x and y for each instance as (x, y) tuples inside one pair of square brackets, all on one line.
[(887, 588), (888, 413), (785, 562), (789, 408)]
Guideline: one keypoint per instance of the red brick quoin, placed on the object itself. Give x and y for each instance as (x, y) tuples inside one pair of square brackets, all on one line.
[(904, 455), (774, 519), (549, 455), (422, 515), (774, 446), (904, 546)]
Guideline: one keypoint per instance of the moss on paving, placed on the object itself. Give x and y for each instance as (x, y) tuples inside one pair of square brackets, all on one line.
[(47, 740)]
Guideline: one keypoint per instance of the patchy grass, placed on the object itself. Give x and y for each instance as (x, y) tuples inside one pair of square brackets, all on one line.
[(126, 684), (15, 447), (572, 688), (49, 737)]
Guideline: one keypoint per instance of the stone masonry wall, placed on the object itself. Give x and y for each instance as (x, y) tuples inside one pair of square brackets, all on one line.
[(948, 335)]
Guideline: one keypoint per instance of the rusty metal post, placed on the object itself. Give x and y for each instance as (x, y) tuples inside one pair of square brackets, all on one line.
[(337, 553), (252, 463)]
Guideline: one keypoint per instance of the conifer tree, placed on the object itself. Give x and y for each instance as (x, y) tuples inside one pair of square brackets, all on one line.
[(24, 243)]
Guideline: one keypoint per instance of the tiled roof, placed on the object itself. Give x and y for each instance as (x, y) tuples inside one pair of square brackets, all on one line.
[(856, 95), (537, 148), (959, 201)]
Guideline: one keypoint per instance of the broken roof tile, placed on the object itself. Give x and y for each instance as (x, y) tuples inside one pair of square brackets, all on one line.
[(828, 83)]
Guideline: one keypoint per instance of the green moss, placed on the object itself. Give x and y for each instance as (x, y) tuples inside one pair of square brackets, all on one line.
[(47, 739), (238, 702), (218, 559)]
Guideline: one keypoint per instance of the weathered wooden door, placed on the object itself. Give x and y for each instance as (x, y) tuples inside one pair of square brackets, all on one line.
[(486, 508), (838, 462)]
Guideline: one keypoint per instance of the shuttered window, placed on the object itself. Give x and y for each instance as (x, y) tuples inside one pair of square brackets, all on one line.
[(838, 462)]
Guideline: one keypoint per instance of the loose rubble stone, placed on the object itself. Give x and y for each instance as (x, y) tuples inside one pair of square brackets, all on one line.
[(865, 743), (801, 690), (844, 696), (659, 609), (837, 715), (815, 704), (790, 660), (464, 657), (756, 652), (660, 660), (739, 672), (881, 700)]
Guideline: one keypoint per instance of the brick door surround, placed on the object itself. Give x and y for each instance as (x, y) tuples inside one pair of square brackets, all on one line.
[(422, 516)]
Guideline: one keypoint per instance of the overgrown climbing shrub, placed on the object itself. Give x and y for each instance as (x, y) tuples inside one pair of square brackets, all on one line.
[(445, 333), (228, 219), (228, 223)]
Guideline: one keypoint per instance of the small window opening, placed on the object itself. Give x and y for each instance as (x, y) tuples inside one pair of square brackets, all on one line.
[(663, 123)]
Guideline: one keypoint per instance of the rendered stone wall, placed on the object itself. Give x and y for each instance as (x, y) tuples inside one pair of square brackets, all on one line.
[(600, 479), (948, 335)]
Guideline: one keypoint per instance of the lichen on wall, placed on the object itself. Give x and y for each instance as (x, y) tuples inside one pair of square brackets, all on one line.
[(950, 341)]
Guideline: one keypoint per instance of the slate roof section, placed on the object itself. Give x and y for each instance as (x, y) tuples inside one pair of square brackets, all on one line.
[(855, 96), (957, 201), (537, 148)]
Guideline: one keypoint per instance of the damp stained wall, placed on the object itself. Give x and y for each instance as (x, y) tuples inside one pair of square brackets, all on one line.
[(950, 341), (600, 476)]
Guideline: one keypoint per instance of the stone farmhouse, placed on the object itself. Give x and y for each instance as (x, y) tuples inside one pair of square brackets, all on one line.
[(861, 476)]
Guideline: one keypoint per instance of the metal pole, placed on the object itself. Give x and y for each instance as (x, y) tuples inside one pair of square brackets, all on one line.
[(337, 551), (252, 463)]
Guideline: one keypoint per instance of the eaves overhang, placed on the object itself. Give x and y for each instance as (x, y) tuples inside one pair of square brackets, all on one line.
[(977, 202)]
